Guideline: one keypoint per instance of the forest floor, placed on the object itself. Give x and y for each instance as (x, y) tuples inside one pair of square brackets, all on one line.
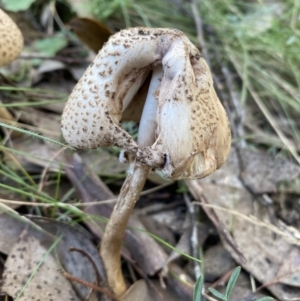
[(53, 198)]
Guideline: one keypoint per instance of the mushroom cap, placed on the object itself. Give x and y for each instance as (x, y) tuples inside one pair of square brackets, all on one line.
[(193, 129), (11, 39), (184, 129)]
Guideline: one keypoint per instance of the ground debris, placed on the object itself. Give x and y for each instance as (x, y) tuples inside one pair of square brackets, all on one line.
[(265, 242), (31, 273)]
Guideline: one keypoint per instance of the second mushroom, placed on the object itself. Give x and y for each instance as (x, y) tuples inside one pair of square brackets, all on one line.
[(183, 131)]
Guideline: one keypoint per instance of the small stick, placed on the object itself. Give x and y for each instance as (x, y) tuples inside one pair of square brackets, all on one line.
[(200, 35), (72, 249), (91, 285), (194, 237)]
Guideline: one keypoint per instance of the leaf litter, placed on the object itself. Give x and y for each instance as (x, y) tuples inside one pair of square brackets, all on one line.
[(31, 273), (46, 233), (264, 245)]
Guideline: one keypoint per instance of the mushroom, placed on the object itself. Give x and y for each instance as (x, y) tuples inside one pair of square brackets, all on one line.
[(184, 129), (11, 44), (11, 39)]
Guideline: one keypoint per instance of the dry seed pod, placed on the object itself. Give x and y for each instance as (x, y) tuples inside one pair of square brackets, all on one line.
[(11, 39), (184, 129)]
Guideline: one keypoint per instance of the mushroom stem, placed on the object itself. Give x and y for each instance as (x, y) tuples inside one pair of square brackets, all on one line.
[(113, 235)]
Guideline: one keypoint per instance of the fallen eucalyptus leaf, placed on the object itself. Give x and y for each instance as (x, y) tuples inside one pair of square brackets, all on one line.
[(75, 263), (46, 232), (264, 245), (289, 272), (31, 273), (139, 291)]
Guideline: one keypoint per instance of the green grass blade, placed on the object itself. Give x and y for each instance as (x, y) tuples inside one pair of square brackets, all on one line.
[(171, 247), (197, 294), (33, 104), (33, 90), (29, 133), (217, 294), (232, 280), (265, 299)]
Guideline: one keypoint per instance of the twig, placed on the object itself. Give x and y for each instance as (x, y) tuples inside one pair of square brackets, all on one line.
[(90, 259), (200, 35), (194, 237), (91, 285), (222, 280), (236, 101), (72, 249)]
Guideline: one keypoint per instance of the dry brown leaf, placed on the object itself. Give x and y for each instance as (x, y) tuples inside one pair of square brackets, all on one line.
[(289, 272), (31, 273), (91, 32), (217, 262), (47, 66), (184, 243), (46, 232), (262, 172), (74, 263), (159, 229), (46, 123), (12, 225), (8, 194), (264, 246), (139, 291), (6, 116), (169, 218), (40, 153)]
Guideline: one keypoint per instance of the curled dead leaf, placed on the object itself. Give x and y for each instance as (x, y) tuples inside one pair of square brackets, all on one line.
[(91, 32)]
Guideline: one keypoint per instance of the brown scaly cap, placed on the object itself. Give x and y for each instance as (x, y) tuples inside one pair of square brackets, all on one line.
[(184, 129), (11, 39)]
